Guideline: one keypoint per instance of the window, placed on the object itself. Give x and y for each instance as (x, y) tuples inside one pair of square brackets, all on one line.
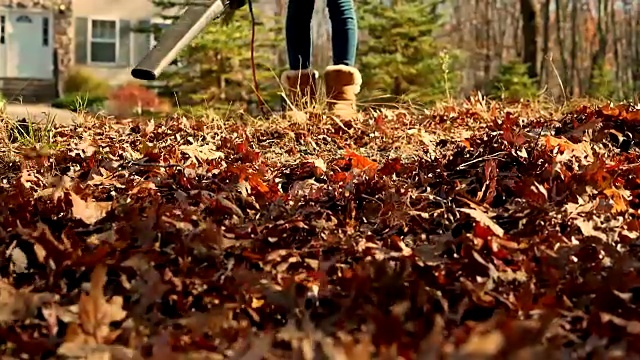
[(2, 23), (45, 31), (24, 19), (103, 41)]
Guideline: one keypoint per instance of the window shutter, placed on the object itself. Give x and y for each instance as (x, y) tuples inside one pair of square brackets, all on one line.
[(124, 53), (142, 41), (81, 38)]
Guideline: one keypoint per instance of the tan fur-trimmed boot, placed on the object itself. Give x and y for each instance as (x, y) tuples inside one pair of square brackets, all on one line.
[(300, 87), (342, 84)]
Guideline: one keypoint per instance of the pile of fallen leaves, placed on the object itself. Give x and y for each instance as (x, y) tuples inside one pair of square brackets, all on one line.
[(469, 232)]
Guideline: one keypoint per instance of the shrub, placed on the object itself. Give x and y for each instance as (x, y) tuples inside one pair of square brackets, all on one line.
[(133, 98), (513, 82), (400, 62), (81, 81), (602, 84), (78, 102)]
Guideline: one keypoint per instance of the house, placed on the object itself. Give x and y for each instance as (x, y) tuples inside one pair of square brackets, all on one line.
[(41, 40), (104, 40)]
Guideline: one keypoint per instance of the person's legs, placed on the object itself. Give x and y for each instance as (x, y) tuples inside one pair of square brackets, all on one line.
[(342, 79), (298, 33), (300, 79), (344, 31)]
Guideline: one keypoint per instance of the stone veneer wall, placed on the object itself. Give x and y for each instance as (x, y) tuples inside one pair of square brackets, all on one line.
[(62, 28)]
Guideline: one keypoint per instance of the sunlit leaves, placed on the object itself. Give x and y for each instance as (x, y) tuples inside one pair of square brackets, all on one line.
[(475, 230)]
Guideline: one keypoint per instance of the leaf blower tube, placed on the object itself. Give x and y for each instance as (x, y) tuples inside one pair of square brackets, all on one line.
[(192, 22)]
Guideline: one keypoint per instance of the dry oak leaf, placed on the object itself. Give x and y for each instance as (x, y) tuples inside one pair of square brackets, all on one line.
[(46, 246), (200, 153), (360, 162), (482, 346), (95, 313), (619, 199), (485, 220), (89, 211), (58, 186), (587, 228), (97, 352), (21, 304), (580, 150), (161, 348)]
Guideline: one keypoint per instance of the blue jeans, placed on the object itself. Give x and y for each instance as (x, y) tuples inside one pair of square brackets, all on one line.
[(344, 32)]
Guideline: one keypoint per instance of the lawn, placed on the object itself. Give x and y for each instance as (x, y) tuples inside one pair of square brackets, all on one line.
[(475, 231)]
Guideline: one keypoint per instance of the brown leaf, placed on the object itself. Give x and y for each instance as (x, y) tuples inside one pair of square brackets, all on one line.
[(21, 304), (58, 251), (609, 110), (59, 186), (619, 198), (360, 162), (162, 348), (431, 346), (96, 313), (97, 352), (633, 116), (89, 211), (485, 220), (490, 176), (587, 228), (391, 167), (258, 347), (223, 202), (482, 345)]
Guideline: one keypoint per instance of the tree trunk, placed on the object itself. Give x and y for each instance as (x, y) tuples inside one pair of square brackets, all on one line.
[(573, 72), (560, 35), (598, 57), (544, 77), (617, 42), (487, 48), (529, 36)]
